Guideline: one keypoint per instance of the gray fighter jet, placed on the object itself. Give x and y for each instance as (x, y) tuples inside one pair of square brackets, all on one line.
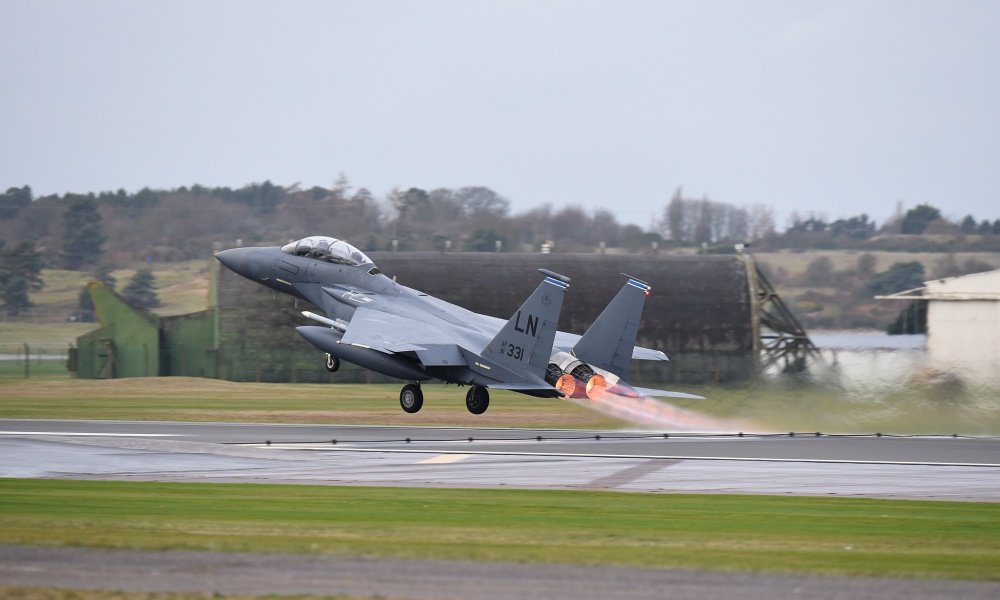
[(372, 321)]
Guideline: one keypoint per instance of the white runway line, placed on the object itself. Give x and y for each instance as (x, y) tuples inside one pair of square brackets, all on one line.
[(345, 448), (444, 459)]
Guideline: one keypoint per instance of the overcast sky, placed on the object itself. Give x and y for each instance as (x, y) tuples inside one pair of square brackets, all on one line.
[(834, 107)]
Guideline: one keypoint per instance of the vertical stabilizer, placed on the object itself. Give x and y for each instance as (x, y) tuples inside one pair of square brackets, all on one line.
[(525, 342), (609, 341)]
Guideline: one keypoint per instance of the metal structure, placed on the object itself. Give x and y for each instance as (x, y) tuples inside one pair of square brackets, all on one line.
[(780, 340)]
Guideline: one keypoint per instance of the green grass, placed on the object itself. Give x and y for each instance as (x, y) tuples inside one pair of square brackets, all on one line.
[(50, 338), (14, 370), (195, 399), (51, 394), (757, 533)]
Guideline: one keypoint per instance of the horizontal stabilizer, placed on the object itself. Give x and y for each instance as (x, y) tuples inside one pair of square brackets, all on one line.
[(640, 353), (666, 394)]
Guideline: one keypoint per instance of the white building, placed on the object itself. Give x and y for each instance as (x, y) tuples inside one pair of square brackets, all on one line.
[(963, 324)]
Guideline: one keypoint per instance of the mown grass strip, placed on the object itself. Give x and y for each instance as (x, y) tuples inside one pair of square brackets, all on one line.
[(757, 533), (196, 399), (749, 408)]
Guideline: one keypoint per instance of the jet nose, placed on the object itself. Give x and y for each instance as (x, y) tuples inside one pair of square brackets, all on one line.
[(234, 259)]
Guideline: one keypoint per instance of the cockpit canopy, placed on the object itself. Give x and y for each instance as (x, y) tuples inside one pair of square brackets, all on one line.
[(327, 249)]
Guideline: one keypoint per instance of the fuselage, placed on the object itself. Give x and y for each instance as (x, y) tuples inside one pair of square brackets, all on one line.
[(339, 290)]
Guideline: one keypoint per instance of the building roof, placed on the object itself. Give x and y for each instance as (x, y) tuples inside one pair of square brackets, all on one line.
[(977, 286)]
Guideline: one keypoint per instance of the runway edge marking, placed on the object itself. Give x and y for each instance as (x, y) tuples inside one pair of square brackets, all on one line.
[(629, 456)]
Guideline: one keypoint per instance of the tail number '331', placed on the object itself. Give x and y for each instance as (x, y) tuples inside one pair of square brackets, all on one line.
[(515, 352)]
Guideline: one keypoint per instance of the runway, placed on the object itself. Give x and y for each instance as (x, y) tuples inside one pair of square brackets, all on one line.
[(636, 461)]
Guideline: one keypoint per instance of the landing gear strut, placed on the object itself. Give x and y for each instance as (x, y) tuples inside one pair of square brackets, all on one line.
[(411, 398), (332, 363), (477, 399)]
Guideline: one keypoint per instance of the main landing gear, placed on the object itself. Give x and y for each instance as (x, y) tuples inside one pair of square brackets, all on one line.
[(332, 363), (477, 399), (411, 398)]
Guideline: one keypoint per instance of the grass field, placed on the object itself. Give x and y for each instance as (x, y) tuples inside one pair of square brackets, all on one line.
[(194, 399), (745, 408), (51, 394), (758, 533)]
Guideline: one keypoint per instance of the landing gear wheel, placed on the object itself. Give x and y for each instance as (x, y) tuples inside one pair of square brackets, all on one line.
[(332, 363), (477, 399), (411, 398)]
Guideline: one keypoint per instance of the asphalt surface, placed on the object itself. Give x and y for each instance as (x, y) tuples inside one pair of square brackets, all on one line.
[(434, 579), (891, 467), (804, 464)]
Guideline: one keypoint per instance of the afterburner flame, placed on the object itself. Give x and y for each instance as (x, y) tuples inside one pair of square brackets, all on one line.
[(566, 384), (623, 402), (596, 386)]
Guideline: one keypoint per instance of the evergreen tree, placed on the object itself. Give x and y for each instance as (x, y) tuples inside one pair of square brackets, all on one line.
[(910, 320), (83, 238), (919, 217), (20, 273), (14, 200), (15, 295), (140, 292), (968, 224), (899, 277)]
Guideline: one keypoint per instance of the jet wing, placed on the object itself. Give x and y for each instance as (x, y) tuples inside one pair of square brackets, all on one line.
[(393, 333)]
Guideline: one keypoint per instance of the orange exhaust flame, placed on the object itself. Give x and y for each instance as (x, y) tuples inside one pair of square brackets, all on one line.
[(623, 402), (596, 386), (566, 384)]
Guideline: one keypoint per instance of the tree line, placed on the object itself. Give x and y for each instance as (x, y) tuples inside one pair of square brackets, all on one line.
[(93, 231), (79, 230)]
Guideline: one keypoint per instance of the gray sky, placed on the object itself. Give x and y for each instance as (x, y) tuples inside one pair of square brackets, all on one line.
[(834, 107)]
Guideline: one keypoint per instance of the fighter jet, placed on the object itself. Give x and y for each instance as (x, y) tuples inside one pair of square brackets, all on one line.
[(376, 323)]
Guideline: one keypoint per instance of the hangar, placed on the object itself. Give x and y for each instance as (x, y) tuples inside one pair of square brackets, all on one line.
[(716, 317)]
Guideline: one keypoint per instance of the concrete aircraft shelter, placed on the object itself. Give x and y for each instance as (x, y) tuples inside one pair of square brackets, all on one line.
[(709, 314)]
